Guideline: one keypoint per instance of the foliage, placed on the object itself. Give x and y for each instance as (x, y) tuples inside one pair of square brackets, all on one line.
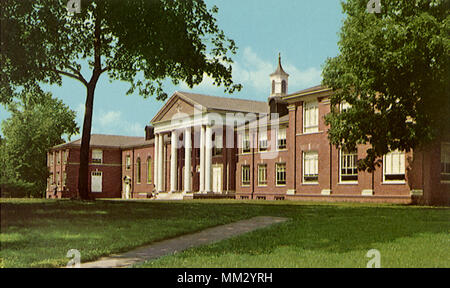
[(38, 233), (37, 123), (138, 41), (393, 70)]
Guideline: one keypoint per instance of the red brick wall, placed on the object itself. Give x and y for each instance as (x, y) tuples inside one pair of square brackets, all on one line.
[(422, 170), (110, 166)]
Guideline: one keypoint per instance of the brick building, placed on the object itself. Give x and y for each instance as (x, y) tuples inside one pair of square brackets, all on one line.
[(105, 166), (245, 149)]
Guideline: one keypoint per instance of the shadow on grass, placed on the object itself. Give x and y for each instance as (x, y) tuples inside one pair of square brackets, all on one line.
[(103, 227)]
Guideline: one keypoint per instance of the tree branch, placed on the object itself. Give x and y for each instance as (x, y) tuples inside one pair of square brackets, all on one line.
[(78, 73), (77, 77), (105, 69)]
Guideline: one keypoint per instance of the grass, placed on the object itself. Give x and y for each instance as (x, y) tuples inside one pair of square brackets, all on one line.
[(38, 233)]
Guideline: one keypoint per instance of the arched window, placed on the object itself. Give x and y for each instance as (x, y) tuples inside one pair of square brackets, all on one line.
[(138, 170), (149, 170), (273, 86), (283, 87)]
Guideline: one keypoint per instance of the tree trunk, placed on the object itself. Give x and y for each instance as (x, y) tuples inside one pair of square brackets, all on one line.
[(83, 175)]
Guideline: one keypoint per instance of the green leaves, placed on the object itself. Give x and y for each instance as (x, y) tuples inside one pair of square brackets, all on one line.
[(160, 39), (37, 123), (393, 69)]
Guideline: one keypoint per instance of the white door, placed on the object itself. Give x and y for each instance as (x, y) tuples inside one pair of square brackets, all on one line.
[(127, 191), (96, 181), (217, 179)]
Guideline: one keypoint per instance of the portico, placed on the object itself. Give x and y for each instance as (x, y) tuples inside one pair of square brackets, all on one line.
[(190, 152), (182, 138)]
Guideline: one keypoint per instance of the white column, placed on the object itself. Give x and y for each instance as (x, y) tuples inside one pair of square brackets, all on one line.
[(208, 159), (202, 159), (173, 162), (160, 162), (155, 165), (187, 160)]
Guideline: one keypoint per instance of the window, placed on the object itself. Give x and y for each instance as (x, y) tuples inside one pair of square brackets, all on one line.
[(50, 159), (281, 173), (310, 167), (445, 161), (50, 180), (283, 87), (97, 156), (246, 142), (128, 162), (260, 197), (281, 139), (344, 106), (66, 156), (218, 144), (245, 175), (64, 179), (311, 117), (349, 169), (273, 86), (149, 170), (262, 174), (262, 143), (138, 170), (394, 166)]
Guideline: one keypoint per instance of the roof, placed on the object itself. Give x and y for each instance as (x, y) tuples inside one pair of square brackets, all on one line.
[(279, 70), (209, 102), (227, 104), (308, 91), (109, 141), (261, 123)]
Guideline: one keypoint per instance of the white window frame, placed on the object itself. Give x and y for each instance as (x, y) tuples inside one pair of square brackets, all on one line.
[(128, 162), (280, 169), (64, 179), (218, 144), (97, 156), (344, 106), (246, 139), (66, 156), (245, 183), (262, 141), (262, 174), (445, 162), (138, 170), (308, 158), (281, 137), (311, 117), (58, 179), (389, 160), (347, 160)]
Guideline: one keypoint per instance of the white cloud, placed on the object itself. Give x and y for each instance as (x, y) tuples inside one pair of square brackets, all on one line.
[(109, 118), (254, 71), (110, 122)]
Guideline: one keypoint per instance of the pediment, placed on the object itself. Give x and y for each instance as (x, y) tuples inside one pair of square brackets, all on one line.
[(175, 105)]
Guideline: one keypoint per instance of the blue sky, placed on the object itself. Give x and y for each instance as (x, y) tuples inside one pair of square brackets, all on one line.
[(305, 32)]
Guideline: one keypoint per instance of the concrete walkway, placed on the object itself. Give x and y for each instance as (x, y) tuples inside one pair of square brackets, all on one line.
[(170, 246)]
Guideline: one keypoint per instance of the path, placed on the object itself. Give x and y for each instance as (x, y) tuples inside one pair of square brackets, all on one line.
[(170, 246)]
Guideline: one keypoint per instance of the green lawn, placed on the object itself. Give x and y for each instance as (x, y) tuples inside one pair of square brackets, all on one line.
[(38, 233)]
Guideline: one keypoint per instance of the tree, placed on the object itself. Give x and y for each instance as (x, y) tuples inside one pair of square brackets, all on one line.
[(393, 70), (37, 123), (138, 41)]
